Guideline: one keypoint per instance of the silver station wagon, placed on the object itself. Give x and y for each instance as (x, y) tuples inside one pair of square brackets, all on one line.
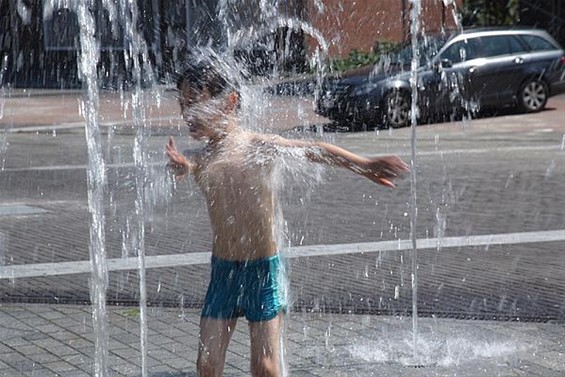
[(463, 72)]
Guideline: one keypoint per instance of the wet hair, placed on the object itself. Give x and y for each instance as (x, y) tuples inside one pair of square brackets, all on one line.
[(203, 75)]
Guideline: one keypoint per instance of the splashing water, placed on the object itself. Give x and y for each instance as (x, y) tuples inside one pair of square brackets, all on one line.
[(436, 348)]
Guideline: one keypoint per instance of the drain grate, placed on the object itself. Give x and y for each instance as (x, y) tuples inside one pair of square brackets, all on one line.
[(19, 209)]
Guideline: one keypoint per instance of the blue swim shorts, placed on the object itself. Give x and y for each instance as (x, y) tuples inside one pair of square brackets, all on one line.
[(254, 289)]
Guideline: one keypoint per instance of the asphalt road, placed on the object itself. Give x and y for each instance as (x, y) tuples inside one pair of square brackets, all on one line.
[(498, 175)]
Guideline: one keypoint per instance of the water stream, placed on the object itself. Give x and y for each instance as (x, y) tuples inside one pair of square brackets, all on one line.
[(125, 11), (138, 54), (415, 31), (96, 174)]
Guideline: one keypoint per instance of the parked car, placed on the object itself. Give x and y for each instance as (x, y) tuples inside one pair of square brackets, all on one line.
[(459, 72)]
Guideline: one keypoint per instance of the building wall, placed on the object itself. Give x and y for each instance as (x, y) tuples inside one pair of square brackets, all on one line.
[(357, 25), (28, 59)]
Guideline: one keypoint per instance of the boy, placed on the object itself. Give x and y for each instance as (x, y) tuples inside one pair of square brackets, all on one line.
[(235, 172)]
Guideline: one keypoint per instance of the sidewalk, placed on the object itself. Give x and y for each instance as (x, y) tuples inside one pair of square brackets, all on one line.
[(54, 110), (57, 340), (48, 110)]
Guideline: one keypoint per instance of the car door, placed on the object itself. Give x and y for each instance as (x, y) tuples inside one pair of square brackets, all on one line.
[(496, 76), (543, 58), (452, 70)]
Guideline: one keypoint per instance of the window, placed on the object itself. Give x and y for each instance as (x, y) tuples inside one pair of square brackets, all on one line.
[(501, 45), (61, 30), (462, 51), (516, 45), (536, 43), (495, 46)]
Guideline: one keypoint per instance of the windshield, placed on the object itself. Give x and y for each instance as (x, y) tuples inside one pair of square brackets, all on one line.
[(428, 47)]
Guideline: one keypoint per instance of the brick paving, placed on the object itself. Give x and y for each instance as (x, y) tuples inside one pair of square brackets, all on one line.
[(350, 312), (57, 340)]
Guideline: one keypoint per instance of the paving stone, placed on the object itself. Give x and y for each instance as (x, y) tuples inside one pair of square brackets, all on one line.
[(59, 366), (75, 373), (10, 372)]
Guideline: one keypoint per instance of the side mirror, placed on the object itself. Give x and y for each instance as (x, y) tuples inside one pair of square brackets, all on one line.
[(443, 63), (446, 63)]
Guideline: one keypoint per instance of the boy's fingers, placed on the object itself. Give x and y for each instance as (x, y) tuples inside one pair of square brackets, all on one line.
[(386, 182), (398, 164), (381, 180)]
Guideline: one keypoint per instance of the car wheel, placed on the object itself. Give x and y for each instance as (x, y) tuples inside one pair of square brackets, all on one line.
[(397, 109), (533, 96)]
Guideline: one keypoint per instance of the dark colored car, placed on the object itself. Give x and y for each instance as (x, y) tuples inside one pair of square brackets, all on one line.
[(463, 72)]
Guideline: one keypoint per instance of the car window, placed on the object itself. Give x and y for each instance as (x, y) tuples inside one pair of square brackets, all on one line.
[(427, 49), (536, 43), (501, 45), (462, 51), (516, 46)]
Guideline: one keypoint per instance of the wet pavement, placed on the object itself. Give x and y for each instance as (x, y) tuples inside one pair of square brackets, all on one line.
[(491, 238), (57, 340)]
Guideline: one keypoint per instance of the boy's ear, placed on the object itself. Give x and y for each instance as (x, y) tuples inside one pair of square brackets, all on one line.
[(232, 102)]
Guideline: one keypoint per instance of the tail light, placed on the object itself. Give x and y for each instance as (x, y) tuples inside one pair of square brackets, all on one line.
[(563, 60)]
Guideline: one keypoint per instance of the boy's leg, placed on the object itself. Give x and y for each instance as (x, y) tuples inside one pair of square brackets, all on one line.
[(265, 347), (215, 335)]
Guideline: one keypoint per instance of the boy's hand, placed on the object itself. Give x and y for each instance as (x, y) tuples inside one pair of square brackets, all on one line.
[(383, 170), (178, 164)]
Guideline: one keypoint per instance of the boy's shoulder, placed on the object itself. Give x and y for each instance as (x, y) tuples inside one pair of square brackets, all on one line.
[(262, 138)]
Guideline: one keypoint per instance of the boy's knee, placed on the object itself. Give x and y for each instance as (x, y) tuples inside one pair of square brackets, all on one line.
[(208, 364)]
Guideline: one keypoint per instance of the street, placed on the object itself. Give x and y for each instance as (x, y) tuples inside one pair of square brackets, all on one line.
[(503, 175)]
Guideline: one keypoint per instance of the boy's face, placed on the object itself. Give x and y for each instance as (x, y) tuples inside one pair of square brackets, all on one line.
[(202, 114)]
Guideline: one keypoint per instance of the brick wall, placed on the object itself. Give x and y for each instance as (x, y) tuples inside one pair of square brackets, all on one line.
[(358, 24)]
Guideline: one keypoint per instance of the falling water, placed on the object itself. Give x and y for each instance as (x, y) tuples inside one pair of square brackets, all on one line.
[(96, 183), (414, 29), (3, 142), (137, 48), (88, 60)]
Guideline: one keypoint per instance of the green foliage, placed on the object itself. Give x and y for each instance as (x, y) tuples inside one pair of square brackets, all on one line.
[(357, 58), (490, 12)]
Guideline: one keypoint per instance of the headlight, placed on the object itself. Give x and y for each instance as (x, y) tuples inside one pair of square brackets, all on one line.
[(364, 89)]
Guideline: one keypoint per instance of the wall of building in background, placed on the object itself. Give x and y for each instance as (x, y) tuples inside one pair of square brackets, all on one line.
[(360, 24), (40, 49)]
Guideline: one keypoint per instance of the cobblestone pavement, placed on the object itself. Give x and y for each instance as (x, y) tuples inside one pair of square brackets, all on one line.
[(57, 340), (487, 177)]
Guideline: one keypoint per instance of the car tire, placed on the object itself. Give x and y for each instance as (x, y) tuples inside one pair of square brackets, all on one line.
[(533, 96), (397, 109)]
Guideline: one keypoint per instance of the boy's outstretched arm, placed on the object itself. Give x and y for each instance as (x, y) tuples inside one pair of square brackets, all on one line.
[(381, 170), (178, 164)]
